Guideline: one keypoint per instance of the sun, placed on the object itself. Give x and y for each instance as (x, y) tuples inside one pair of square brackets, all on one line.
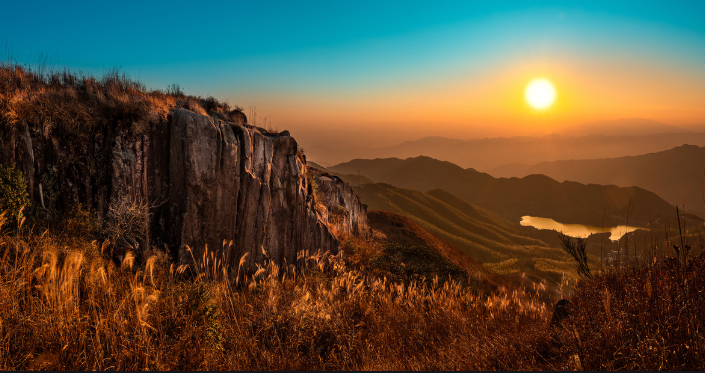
[(540, 93)]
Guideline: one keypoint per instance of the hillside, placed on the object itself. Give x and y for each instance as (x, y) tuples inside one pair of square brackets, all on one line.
[(401, 230), (412, 251), (477, 232), (536, 195), (676, 175)]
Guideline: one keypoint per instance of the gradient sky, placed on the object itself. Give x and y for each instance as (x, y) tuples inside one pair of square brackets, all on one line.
[(381, 72)]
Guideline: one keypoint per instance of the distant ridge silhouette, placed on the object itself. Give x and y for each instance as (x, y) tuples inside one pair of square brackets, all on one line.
[(536, 195), (621, 127), (486, 154), (675, 174)]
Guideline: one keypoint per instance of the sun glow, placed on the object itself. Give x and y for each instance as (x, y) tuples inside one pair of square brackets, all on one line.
[(540, 93)]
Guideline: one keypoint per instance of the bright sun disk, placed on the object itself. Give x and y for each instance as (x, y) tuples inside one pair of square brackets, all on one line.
[(540, 93)]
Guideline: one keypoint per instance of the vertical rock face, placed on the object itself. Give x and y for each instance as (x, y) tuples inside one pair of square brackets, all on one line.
[(235, 183), (208, 182)]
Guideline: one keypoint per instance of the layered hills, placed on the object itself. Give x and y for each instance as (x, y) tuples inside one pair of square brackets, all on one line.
[(487, 153), (675, 174), (621, 127), (511, 198)]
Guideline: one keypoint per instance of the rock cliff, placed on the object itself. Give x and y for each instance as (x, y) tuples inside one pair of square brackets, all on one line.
[(207, 182), (343, 210)]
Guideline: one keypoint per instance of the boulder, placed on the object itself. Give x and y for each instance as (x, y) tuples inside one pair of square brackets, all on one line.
[(560, 313)]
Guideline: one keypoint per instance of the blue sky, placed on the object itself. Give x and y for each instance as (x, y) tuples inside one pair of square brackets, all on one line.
[(316, 66)]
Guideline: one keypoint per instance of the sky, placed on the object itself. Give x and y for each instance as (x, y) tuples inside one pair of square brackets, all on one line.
[(375, 73)]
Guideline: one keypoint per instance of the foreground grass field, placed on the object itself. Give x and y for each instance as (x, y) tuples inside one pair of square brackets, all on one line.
[(68, 307)]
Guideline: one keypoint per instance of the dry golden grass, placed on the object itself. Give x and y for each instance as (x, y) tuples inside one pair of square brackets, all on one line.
[(67, 307), (647, 317), (71, 308), (76, 104)]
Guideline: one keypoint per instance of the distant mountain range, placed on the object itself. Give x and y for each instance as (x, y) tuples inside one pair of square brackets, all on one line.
[(615, 139), (536, 195), (621, 127), (677, 174)]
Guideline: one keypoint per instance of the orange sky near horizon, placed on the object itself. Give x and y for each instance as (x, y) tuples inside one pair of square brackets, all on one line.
[(494, 105)]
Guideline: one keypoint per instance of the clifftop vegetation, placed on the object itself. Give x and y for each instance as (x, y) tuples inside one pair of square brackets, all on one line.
[(78, 105)]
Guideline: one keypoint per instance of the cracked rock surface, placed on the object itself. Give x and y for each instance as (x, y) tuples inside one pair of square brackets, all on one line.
[(207, 182)]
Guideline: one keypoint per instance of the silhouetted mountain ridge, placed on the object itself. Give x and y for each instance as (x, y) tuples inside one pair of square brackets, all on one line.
[(621, 127), (675, 174), (536, 195), (488, 153)]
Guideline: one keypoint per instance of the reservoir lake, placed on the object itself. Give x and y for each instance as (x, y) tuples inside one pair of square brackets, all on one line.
[(576, 230)]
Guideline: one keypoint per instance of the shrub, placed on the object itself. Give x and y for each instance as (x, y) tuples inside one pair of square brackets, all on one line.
[(13, 190), (126, 222), (339, 213), (640, 317), (76, 105), (175, 90)]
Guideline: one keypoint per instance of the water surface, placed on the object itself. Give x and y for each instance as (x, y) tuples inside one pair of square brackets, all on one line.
[(576, 230)]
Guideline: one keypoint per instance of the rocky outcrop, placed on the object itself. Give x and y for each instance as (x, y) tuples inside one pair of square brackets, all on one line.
[(236, 183), (208, 182), (343, 210)]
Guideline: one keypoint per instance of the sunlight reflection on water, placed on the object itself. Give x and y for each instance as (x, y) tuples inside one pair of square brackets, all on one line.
[(575, 230)]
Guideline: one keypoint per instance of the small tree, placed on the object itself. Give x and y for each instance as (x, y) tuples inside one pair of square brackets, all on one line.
[(577, 251), (13, 190)]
